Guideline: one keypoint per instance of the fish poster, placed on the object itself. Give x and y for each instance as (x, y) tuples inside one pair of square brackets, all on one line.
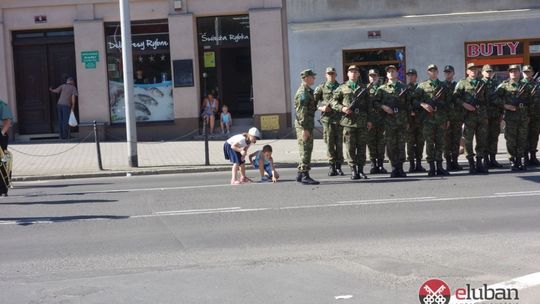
[(153, 102)]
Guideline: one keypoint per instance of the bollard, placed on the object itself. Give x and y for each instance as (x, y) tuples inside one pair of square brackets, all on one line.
[(96, 137), (206, 152)]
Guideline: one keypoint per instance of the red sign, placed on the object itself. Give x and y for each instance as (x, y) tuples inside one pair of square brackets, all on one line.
[(434, 291), (489, 49)]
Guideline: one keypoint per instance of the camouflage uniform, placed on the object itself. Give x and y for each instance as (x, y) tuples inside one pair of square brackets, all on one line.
[(476, 122), (495, 112), (354, 126), (435, 122), (305, 107), (375, 141), (332, 131), (517, 121), (453, 134), (534, 125), (414, 135), (395, 124)]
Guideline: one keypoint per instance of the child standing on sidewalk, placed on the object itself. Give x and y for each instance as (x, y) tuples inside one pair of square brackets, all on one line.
[(265, 164), (235, 150), (225, 120)]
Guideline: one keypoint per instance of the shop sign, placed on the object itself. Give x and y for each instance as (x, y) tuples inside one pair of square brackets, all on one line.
[(270, 122), (234, 38), (40, 19), (140, 43), (489, 49), (209, 59), (90, 58)]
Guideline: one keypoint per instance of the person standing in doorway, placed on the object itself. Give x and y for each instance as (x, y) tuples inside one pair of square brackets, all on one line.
[(210, 109), (66, 104)]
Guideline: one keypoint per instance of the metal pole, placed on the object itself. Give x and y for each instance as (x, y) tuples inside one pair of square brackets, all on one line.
[(96, 137), (206, 150), (127, 61)]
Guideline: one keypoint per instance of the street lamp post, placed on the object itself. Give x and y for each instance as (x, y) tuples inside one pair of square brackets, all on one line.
[(127, 59)]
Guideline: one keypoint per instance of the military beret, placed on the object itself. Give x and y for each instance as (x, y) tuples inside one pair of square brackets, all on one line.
[(353, 67), (390, 67), (373, 72), (330, 70), (432, 66), (411, 72), (449, 68), (471, 65), (306, 73), (527, 68), (513, 67)]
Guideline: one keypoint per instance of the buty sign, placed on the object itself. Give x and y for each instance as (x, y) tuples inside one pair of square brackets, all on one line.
[(489, 49)]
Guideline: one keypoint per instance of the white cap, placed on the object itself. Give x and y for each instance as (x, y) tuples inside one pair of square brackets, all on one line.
[(255, 132)]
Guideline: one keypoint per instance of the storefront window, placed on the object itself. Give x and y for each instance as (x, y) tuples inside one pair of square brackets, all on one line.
[(375, 59), (152, 71)]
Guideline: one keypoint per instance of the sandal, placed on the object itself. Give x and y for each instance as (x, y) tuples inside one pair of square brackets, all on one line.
[(236, 182), (245, 180)]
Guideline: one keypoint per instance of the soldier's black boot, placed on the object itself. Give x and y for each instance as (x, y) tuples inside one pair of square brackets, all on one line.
[(480, 168), (338, 169), (440, 169), (401, 172), (380, 164), (455, 164), (332, 171), (374, 167), (493, 163), (360, 170), (419, 167), (486, 161), (431, 171), (412, 166), (520, 165), (513, 164), (472, 166), (533, 161), (307, 180), (526, 159), (299, 177), (394, 172), (449, 166), (354, 173)]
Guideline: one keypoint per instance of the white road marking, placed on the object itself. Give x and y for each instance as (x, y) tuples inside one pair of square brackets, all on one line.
[(343, 297), (520, 283)]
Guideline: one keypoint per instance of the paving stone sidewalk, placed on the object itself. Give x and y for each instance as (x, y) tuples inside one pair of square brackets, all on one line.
[(73, 159)]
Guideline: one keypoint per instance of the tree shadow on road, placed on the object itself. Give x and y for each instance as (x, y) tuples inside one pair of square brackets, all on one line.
[(26, 221), (63, 202), (57, 185)]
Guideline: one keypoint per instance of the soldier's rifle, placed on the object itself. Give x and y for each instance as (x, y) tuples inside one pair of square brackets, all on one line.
[(358, 94), (535, 88), (434, 101)]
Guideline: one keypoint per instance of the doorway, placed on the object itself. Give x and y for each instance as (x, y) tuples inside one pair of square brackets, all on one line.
[(41, 60), (236, 81)]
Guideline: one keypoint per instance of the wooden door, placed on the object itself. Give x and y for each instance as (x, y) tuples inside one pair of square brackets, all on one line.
[(33, 106)]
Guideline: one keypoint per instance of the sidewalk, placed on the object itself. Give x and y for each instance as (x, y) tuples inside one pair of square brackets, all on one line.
[(72, 160)]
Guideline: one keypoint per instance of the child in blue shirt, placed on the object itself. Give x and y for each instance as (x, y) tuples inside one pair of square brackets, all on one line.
[(226, 120), (263, 161)]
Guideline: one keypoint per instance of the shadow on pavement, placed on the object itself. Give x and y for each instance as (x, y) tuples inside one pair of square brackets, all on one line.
[(534, 178), (64, 202), (59, 185), (26, 221)]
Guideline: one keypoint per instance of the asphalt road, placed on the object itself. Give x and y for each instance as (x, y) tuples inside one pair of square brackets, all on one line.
[(192, 238)]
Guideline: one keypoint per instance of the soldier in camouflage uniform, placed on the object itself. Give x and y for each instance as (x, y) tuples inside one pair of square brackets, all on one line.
[(305, 106), (414, 135), (391, 98), (376, 142), (432, 97), (355, 121), (534, 123), (495, 116), (332, 130), (471, 94), (453, 134), (515, 96)]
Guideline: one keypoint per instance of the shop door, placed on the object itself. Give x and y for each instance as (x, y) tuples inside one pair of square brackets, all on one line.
[(33, 102), (236, 81), (42, 60)]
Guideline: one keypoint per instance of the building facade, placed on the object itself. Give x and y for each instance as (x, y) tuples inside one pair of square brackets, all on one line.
[(182, 50), (411, 34)]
